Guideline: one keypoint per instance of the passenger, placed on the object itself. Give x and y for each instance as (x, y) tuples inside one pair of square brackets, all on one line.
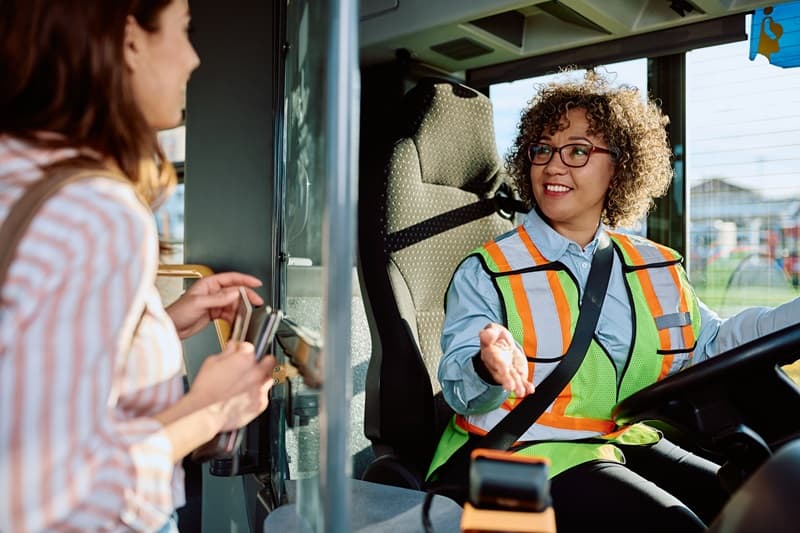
[(588, 157), (93, 419)]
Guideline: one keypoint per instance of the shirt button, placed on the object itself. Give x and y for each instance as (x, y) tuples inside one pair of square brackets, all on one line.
[(584, 265)]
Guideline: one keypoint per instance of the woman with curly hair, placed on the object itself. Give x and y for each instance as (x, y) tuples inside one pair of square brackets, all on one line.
[(588, 157)]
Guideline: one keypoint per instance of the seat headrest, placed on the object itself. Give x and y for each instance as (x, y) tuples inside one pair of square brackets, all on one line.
[(453, 128)]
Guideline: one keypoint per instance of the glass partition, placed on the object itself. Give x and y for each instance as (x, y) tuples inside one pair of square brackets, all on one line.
[(303, 200), (318, 242)]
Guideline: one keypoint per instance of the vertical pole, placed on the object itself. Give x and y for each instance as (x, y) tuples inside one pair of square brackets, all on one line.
[(341, 137), (668, 224)]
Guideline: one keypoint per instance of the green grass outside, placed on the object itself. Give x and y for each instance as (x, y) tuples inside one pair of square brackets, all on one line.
[(712, 288)]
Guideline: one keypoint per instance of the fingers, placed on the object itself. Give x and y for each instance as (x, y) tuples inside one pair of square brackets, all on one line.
[(267, 364), (246, 406), (516, 382), (265, 388), (234, 346), (254, 371), (218, 300), (253, 296), (227, 280), (489, 334)]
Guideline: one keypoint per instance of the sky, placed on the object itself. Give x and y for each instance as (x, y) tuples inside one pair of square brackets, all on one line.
[(743, 117)]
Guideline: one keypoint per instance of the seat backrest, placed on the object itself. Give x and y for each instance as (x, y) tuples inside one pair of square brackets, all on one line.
[(435, 202)]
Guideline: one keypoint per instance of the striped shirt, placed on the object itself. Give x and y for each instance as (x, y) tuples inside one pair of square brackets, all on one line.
[(79, 449)]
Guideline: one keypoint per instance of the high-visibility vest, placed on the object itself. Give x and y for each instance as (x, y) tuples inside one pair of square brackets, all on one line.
[(541, 302)]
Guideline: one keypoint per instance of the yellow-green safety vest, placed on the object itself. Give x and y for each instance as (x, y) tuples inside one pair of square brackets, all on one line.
[(666, 322)]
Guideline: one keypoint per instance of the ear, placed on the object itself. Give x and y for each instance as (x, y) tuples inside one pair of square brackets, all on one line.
[(133, 45)]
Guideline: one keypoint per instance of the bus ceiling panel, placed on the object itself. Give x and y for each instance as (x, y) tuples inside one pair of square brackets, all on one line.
[(457, 36), (660, 43)]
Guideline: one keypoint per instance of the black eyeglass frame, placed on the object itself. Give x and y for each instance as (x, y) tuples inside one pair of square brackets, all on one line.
[(554, 150)]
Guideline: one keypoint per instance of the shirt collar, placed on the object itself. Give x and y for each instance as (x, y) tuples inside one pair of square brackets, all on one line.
[(552, 244)]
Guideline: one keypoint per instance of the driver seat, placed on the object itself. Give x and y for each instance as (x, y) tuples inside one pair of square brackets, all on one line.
[(442, 193)]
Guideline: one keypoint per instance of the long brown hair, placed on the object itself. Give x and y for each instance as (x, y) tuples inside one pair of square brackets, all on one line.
[(64, 72)]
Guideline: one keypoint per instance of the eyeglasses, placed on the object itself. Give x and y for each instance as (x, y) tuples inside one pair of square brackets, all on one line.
[(573, 155)]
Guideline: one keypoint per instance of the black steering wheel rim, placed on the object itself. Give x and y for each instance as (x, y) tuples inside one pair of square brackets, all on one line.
[(741, 391)]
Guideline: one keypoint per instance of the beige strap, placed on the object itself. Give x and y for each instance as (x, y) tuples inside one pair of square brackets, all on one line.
[(24, 210)]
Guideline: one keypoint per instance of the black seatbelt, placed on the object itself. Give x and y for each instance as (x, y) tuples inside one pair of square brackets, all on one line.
[(530, 408)]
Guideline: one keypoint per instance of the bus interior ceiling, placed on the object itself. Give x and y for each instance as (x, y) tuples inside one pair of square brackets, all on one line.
[(489, 38)]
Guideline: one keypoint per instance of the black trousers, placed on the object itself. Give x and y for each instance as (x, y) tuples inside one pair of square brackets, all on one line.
[(660, 488)]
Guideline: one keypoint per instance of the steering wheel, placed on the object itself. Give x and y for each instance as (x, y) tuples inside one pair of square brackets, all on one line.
[(739, 405)]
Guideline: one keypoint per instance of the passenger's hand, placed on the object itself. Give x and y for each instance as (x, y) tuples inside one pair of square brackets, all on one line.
[(242, 409), (211, 298), (233, 372), (504, 360)]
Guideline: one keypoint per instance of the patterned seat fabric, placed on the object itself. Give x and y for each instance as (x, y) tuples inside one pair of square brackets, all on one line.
[(435, 203)]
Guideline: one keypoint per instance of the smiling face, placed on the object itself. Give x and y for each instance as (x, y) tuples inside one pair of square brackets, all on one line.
[(572, 199), (160, 63)]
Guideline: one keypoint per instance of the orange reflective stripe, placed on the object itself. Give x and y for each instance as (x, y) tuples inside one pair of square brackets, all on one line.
[(686, 330), (647, 288), (560, 299), (466, 426), (520, 297), (564, 316), (529, 343), (565, 321), (562, 400), (556, 421), (576, 423), (562, 306), (666, 364), (497, 256), (475, 430), (536, 255)]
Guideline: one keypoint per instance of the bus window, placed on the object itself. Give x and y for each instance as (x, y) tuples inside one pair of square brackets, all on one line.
[(742, 171), (169, 216)]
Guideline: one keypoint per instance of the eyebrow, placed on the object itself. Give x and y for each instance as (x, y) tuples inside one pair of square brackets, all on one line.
[(570, 138)]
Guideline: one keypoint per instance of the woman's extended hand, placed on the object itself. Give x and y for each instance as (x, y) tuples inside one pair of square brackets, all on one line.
[(504, 360), (210, 298)]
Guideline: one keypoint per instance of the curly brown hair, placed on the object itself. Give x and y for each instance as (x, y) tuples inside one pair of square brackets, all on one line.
[(634, 127)]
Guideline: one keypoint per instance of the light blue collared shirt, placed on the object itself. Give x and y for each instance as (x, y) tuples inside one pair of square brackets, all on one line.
[(473, 302)]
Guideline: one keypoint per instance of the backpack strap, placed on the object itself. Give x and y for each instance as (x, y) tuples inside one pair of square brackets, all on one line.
[(28, 205)]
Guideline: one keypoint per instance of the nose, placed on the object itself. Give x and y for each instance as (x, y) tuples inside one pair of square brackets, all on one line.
[(194, 62)]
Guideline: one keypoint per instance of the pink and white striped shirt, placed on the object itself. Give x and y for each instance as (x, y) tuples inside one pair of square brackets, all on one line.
[(79, 449)]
